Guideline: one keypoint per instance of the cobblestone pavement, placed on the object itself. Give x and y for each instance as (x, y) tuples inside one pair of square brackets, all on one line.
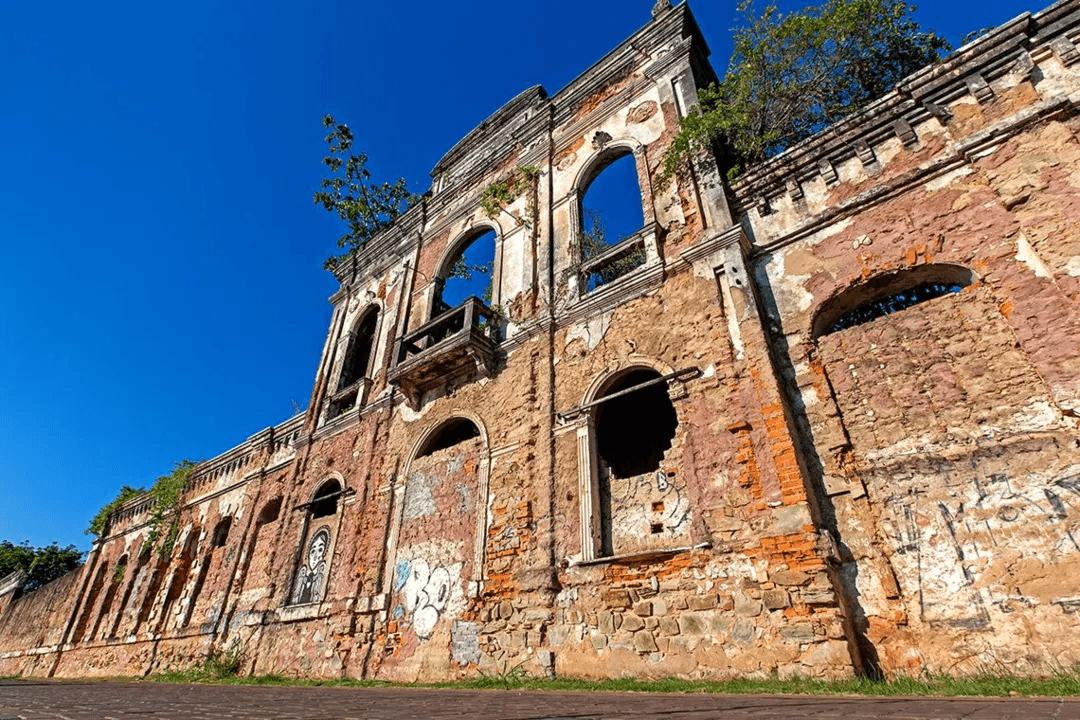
[(54, 700)]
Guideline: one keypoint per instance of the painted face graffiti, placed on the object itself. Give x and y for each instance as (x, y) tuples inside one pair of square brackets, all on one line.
[(311, 576)]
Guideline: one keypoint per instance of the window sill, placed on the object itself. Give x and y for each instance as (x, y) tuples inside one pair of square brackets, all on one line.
[(642, 555), (294, 613)]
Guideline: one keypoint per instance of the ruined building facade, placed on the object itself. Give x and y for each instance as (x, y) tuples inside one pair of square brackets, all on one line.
[(818, 420)]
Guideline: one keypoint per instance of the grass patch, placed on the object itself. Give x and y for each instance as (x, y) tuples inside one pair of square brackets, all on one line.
[(1061, 683)]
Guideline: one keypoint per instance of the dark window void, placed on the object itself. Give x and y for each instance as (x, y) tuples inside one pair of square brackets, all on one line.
[(270, 511), (633, 431), (610, 213), (450, 434), (221, 532), (358, 355), (356, 366), (325, 501), (887, 294), (469, 272)]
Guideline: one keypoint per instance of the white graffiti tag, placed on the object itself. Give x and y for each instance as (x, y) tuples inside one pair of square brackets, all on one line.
[(427, 591)]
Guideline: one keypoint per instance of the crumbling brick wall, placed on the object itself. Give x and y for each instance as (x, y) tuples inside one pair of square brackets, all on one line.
[(811, 497)]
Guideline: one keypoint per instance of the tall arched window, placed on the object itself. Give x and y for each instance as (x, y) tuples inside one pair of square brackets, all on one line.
[(442, 529), (309, 585), (633, 496), (356, 369), (611, 214), (469, 271)]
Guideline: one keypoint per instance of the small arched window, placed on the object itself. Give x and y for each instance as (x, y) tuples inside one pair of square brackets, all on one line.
[(356, 369), (361, 348), (611, 214), (469, 271), (221, 532), (325, 502), (270, 511), (453, 432), (889, 293), (316, 553)]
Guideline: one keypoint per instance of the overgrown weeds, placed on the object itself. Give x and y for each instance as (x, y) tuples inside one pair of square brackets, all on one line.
[(1057, 683), (218, 667)]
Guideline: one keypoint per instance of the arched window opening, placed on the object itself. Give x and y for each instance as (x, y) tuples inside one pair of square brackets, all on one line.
[(316, 552), (453, 432), (642, 505), (633, 431), (106, 614), (325, 502), (131, 575), (270, 511), (888, 294), (221, 532), (611, 215), (356, 368), (91, 602), (471, 271), (358, 355)]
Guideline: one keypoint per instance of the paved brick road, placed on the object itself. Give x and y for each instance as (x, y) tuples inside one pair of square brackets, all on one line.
[(54, 700)]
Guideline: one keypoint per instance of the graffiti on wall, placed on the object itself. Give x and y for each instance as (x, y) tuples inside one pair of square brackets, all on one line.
[(429, 586), (646, 510), (946, 542), (312, 574)]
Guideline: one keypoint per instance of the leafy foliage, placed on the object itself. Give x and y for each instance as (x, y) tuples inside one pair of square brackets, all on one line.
[(42, 565), (498, 195), (793, 74), (365, 207), (219, 667), (97, 525), (165, 517), (593, 241), (464, 271)]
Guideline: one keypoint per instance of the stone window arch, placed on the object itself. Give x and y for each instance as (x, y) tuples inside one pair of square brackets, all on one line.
[(209, 568), (612, 234), (357, 365), (468, 267), (317, 549), (439, 535), (889, 293), (631, 491)]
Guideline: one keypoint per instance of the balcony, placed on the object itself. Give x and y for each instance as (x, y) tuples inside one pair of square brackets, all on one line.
[(457, 343)]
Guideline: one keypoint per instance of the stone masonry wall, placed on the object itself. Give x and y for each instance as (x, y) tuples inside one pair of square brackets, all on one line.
[(882, 495)]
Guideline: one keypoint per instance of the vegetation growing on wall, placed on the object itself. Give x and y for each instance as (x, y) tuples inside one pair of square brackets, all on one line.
[(793, 74), (365, 207), (97, 525), (165, 518), (42, 565), (498, 195)]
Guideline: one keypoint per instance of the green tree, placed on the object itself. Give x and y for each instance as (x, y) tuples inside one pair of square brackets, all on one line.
[(793, 74), (42, 565), (365, 207)]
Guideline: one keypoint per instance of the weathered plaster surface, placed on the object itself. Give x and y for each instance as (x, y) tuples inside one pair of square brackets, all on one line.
[(898, 494)]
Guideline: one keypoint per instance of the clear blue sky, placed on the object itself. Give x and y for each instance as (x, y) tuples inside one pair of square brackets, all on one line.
[(161, 285)]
